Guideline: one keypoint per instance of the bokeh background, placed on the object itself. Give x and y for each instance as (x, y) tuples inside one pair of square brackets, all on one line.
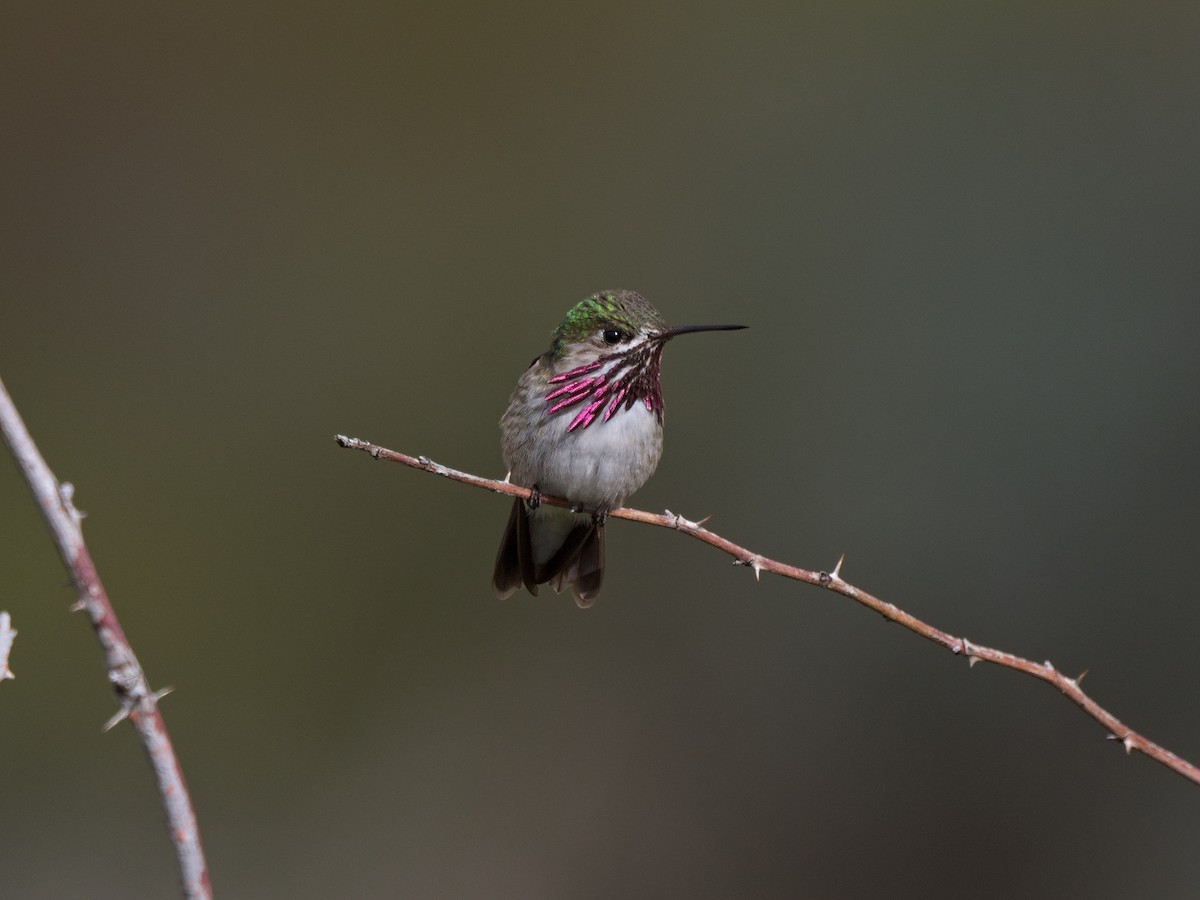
[(965, 239)]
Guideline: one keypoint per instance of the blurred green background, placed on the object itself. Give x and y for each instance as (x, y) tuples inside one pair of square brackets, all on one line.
[(965, 239)]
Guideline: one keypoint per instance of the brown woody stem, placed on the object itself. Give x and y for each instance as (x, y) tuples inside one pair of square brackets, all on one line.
[(138, 702), (832, 581)]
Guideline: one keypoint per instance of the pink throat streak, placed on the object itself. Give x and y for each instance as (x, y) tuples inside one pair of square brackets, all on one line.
[(634, 377)]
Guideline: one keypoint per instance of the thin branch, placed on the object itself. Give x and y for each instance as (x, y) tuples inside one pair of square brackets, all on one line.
[(138, 702), (832, 581), (7, 635)]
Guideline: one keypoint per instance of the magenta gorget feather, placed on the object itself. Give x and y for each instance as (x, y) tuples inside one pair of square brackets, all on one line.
[(632, 377)]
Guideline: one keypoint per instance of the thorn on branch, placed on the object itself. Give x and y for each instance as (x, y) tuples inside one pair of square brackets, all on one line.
[(66, 493), (1126, 742), (7, 635), (131, 700), (120, 715), (754, 562), (682, 523), (968, 650)]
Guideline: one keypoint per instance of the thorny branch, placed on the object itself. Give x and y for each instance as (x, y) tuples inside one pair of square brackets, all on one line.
[(832, 581), (138, 702), (7, 634)]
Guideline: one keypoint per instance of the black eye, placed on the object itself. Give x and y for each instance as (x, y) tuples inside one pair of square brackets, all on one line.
[(613, 335)]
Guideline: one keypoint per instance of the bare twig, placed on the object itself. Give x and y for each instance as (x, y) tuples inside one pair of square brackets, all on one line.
[(7, 634), (137, 702), (832, 581)]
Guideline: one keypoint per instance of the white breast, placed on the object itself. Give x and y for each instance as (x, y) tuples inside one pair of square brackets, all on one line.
[(605, 462)]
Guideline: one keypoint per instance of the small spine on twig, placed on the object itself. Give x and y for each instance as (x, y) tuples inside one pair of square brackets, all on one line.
[(7, 635)]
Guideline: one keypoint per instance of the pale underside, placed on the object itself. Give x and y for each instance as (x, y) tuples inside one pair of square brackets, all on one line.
[(578, 426)]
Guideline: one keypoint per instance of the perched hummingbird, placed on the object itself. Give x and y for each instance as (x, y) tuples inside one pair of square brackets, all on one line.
[(585, 423)]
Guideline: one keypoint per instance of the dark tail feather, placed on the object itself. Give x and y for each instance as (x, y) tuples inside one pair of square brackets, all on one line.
[(578, 563), (558, 569), (525, 547), (514, 561), (587, 572)]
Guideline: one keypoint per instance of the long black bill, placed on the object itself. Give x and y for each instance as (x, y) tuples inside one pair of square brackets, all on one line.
[(688, 329)]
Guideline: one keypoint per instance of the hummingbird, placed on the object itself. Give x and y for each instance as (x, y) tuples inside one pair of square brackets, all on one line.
[(585, 423)]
